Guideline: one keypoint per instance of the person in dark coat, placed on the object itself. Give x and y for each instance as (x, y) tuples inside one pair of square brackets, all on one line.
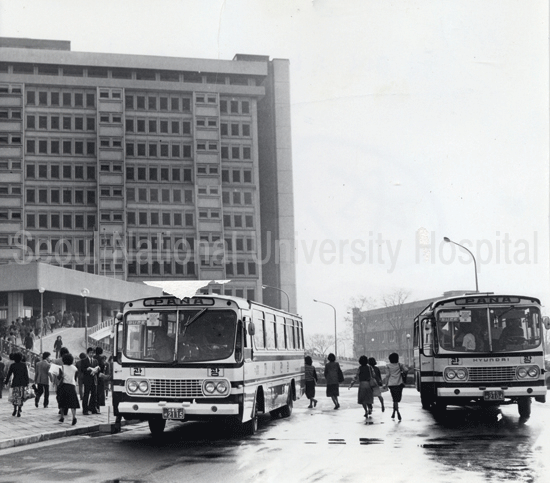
[(311, 380), (332, 370), (89, 368), (57, 345), (19, 374), (78, 365), (2, 375), (102, 364)]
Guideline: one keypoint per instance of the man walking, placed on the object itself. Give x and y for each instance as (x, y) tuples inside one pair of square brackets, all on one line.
[(42, 380), (89, 368)]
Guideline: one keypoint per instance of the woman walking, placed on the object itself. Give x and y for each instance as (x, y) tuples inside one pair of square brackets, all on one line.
[(376, 390), (57, 345), (66, 390), (333, 375), (20, 381), (395, 382), (311, 380), (365, 376)]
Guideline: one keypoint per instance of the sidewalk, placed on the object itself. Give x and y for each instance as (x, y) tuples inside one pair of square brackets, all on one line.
[(40, 424)]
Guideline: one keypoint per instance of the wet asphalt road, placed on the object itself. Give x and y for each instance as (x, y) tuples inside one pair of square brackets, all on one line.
[(314, 445)]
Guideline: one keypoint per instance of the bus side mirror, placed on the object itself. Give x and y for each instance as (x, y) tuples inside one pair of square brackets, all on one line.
[(546, 322), (251, 328)]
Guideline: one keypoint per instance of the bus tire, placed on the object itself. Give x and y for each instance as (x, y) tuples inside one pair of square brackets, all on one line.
[(524, 406), (440, 406), (156, 426), (425, 399), (250, 427), (286, 410)]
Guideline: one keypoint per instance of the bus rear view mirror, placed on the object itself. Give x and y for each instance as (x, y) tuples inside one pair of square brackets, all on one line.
[(251, 328), (546, 322), (427, 337)]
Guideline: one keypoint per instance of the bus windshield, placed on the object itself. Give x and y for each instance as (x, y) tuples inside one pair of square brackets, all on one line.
[(494, 329), (180, 336)]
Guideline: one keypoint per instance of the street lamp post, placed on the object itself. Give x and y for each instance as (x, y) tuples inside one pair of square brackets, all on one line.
[(473, 258), (41, 290), (280, 290), (85, 292), (335, 335)]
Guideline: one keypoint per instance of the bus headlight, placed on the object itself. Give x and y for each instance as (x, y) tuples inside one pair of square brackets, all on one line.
[(132, 386), (527, 372), (216, 387), (137, 386), (459, 373)]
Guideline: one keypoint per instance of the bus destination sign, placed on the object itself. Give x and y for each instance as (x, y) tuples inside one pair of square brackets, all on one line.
[(176, 302), (496, 299)]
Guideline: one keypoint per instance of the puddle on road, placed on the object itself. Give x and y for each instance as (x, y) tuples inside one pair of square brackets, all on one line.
[(370, 441)]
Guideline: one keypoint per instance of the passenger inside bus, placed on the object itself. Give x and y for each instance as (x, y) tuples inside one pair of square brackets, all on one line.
[(163, 345), (476, 339), (512, 334)]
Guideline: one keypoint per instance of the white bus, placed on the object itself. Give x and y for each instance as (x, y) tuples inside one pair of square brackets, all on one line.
[(480, 348), (207, 357)]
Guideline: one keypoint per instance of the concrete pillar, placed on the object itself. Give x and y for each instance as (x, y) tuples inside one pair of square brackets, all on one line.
[(15, 306), (95, 316)]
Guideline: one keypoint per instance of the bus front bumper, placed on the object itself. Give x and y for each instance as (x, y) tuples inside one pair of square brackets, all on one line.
[(141, 409), (487, 393)]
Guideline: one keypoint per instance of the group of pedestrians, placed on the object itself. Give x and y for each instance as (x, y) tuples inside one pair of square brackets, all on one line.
[(83, 381), (369, 378)]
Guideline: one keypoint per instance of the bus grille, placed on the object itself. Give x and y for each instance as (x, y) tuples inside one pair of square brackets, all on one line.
[(176, 388), (492, 374)]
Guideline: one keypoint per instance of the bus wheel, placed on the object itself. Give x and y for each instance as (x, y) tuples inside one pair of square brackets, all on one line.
[(286, 410), (440, 406), (425, 399), (156, 426), (524, 406), (250, 427)]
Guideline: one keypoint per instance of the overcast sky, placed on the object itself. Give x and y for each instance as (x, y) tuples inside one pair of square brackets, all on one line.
[(411, 121)]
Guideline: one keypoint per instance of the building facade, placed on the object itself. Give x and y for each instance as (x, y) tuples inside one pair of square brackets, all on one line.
[(146, 168)]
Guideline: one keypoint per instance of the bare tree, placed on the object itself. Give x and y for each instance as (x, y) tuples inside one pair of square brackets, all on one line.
[(359, 324), (398, 317), (319, 344)]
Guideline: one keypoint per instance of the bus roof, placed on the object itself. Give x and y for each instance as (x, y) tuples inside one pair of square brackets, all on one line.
[(206, 300), (480, 298)]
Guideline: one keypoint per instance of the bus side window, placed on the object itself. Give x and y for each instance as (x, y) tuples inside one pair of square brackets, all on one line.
[(259, 340), (270, 333), (280, 324)]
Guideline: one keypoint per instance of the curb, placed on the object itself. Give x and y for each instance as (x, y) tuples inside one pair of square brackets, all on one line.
[(38, 438)]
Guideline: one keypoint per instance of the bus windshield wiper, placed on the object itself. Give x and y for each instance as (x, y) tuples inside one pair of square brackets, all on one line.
[(194, 318), (505, 312)]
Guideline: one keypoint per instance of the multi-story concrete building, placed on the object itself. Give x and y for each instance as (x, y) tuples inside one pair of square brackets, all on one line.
[(145, 168)]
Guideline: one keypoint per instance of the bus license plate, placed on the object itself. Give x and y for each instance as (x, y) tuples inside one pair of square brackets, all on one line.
[(493, 395), (173, 413)]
